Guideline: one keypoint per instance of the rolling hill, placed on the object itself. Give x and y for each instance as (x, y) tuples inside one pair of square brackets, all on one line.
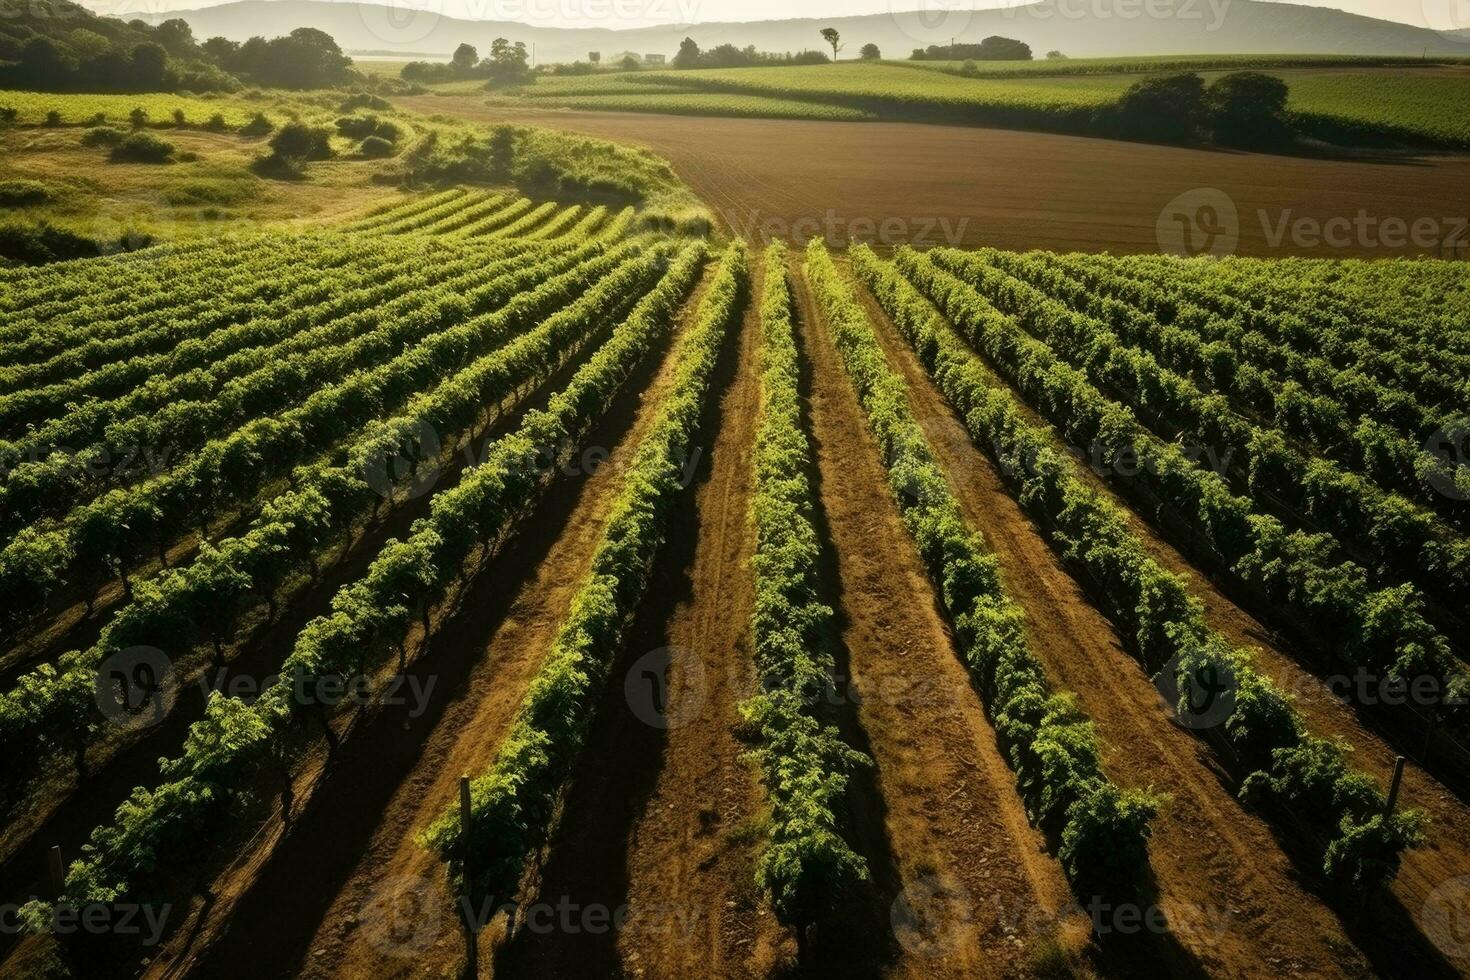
[(1194, 27)]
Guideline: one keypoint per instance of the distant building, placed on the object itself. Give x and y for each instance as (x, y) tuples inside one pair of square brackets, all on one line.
[(654, 59)]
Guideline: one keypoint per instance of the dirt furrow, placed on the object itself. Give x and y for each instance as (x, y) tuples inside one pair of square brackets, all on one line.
[(657, 828), (1231, 897), (349, 892), (969, 873)]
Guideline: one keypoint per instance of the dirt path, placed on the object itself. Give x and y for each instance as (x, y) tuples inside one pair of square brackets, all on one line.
[(1230, 894), (970, 872), (1004, 188), (349, 892), (658, 822)]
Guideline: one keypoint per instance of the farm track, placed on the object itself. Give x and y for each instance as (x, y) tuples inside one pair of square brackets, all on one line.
[(654, 819), (1389, 932), (956, 845), (328, 894), (1234, 901), (1011, 189)]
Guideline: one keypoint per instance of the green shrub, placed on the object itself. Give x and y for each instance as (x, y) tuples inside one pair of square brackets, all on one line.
[(138, 117), (179, 119), (53, 118), (216, 123), (375, 147), (363, 100), (1248, 108), (143, 147), (1166, 107), (357, 127), (18, 193), (298, 141), (258, 125), (8, 115), (101, 136)]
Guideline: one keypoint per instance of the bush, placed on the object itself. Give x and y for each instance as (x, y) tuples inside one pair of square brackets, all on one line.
[(216, 123), (101, 136), (1168, 108), (870, 52), (1248, 108), (143, 148), (98, 119), (39, 243), (298, 141), (18, 193), (179, 119), (138, 117), (375, 147), (8, 115), (53, 118), (357, 127), (363, 100), (257, 126)]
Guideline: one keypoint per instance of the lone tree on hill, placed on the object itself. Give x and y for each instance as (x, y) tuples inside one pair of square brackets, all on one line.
[(465, 58), (830, 35), (870, 52)]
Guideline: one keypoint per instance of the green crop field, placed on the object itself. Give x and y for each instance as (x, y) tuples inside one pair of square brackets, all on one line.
[(1384, 103), (434, 545)]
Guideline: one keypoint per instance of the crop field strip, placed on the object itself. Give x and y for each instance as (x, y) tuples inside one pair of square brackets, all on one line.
[(1379, 437), (1380, 628), (568, 419), (284, 534), (1396, 537), (1205, 852), (1336, 98), (229, 469), (571, 319), (998, 423), (891, 510)]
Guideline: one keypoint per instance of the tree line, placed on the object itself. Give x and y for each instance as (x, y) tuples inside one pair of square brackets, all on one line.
[(57, 46)]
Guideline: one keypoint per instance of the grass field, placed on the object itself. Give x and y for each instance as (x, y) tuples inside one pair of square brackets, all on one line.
[(490, 527), (1349, 99)]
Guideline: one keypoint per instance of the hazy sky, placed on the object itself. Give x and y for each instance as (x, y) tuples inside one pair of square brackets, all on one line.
[(628, 13)]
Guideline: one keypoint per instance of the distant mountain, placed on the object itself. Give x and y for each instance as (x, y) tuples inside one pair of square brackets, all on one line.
[(1193, 27)]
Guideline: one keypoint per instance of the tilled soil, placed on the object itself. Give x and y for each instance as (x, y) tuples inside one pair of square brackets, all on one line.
[(970, 890), (956, 185)]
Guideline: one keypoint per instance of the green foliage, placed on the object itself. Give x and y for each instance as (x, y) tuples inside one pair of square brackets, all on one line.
[(804, 764), (296, 141), (1263, 728), (1049, 742), (513, 803), (142, 147), (22, 193)]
